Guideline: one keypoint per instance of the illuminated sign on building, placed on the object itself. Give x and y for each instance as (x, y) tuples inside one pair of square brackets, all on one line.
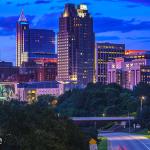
[(7, 91), (83, 7), (82, 10)]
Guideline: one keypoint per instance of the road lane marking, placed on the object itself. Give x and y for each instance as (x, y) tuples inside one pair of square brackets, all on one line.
[(145, 145), (141, 141)]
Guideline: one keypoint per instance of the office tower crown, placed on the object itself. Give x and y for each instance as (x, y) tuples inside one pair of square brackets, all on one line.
[(22, 17), (70, 10), (82, 10)]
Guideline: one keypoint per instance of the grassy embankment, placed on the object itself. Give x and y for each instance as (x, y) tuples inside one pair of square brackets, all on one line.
[(145, 133), (102, 144)]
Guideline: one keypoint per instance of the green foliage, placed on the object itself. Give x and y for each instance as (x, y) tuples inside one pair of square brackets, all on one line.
[(143, 90), (102, 145), (37, 127), (96, 100), (45, 99)]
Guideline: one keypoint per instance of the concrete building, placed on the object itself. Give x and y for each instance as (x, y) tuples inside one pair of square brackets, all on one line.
[(126, 73), (106, 52), (8, 72), (31, 90), (38, 71)]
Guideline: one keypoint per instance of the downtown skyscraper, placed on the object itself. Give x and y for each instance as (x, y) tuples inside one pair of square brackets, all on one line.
[(106, 52), (22, 39), (33, 44), (76, 42)]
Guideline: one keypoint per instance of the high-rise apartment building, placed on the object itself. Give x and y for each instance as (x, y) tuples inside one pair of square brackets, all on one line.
[(76, 42), (106, 52), (33, 44)]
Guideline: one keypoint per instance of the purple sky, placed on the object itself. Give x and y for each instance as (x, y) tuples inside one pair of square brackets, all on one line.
[(118, 21)]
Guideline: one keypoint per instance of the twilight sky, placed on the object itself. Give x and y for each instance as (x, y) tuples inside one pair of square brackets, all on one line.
[(120, 21)]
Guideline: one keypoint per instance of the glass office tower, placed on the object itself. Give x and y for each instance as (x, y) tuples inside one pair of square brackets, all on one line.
[(76, 45)]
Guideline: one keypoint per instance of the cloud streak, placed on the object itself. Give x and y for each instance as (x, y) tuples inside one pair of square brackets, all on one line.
[(42, 1), (145, 2), (8, 25), (106, 24), (22, 4)]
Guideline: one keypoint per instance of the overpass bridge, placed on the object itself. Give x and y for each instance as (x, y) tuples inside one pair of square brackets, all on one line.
[(83, 119), (99, 121)]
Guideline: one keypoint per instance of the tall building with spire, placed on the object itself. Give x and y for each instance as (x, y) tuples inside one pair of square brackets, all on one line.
[(76, 41), (22, 39), (36, 45)]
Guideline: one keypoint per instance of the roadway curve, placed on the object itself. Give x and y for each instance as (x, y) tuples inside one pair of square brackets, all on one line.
[(124, 141)]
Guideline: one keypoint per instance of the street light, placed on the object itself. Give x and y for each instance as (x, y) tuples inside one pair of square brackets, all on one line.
[(142, 98), (129, 122), (103, 114)]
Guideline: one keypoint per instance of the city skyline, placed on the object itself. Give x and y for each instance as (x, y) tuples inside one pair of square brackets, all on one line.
[(131, 26)]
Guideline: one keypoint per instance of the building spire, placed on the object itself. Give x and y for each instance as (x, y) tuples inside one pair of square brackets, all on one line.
[(22, 17)]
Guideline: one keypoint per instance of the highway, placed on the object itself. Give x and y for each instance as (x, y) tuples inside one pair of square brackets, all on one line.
[(125, 141)]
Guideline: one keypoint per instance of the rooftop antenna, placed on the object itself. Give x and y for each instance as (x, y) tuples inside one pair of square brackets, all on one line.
[(22, 16)]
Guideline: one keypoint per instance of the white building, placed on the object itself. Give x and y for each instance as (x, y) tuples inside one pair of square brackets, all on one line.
[(31, 90), (126, 73)]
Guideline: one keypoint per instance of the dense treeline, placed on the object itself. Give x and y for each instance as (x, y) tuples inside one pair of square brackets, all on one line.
[(37, 127), (143, 90), (107, 100), (98, 100)]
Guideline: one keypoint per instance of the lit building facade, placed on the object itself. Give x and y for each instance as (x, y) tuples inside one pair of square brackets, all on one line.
[(8, 91), (8, 72), (30, 91), (32, 44), (42, 41), (127, 73), (106, 52), (41, 70), (76, 42), (22, 39), (145, 74)]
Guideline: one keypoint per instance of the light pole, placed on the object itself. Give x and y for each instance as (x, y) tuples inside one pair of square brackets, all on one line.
[(142, 98), (129, 122)]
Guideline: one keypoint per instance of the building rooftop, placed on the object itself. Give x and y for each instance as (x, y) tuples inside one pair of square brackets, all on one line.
[(38, 85), (136, 52), (22, 17)]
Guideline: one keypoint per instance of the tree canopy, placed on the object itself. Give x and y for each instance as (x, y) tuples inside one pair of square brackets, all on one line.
[(97, 100), (36, 126)]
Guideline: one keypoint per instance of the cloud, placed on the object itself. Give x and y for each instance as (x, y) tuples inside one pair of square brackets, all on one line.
[(62, 1), (56, 8), (98, 14), (22, 4), (106, 24), (8, 24), (107, 38), (132, 6), (8, 3), (49, 21), (138, 38), (144, 2), (42, 1)]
